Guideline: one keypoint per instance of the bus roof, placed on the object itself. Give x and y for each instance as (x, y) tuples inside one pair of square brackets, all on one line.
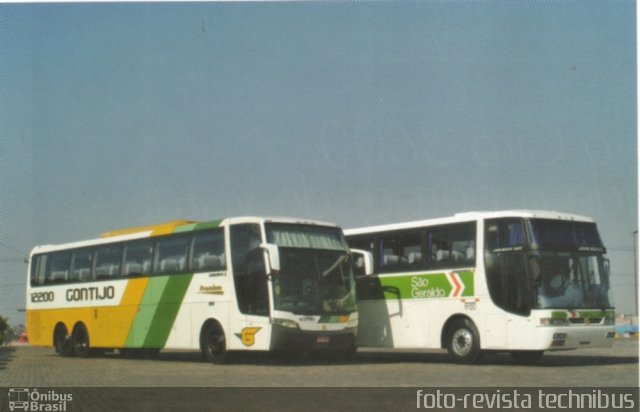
[(167, 227), (470, 216), (175, 226)]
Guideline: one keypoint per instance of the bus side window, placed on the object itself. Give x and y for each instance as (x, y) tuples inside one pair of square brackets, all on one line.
[(137, 259), (82, 265), (365, 243), (452, 245), (208, 251), (108, 261), (172, 254), (411, 243), (38, 269), (389, 252), (401, 251), (58, 269)]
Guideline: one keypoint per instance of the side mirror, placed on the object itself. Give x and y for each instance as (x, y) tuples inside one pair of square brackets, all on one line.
[(607, 267), (362, 262), (273, 256)]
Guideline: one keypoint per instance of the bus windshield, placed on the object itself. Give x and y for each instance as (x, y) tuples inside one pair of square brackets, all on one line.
[(570, 264), (571, 280), (315, 274), (545, 264)]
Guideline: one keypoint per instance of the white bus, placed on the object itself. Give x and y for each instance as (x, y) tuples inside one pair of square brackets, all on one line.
[(236, 284), (517, 281)]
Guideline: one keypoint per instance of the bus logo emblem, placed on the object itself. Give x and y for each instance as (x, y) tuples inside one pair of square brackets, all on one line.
[(211, 290), (248, 335)]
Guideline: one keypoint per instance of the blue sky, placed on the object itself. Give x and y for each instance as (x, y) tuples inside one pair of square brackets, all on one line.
[(115, 115)]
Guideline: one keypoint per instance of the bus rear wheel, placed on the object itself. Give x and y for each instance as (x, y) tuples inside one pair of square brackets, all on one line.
[(213, 343), (62, 341), (463, 341), (80, 340)]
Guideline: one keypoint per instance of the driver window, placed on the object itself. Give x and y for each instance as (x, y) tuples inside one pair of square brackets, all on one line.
[(249, 271), (505, 265)]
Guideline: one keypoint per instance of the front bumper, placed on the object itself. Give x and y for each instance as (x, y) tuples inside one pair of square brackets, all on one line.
[(296, 340)]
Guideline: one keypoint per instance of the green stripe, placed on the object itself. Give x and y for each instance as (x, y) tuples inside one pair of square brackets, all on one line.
[(564, 314), (157, 311), (185, 228), (467, 281), (146, 310), (329, 319), (424, 286), (167, 310), (208, 225), (197, 226)]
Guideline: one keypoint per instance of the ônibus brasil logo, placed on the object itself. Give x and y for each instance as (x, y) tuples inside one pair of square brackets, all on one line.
[(25, 399)]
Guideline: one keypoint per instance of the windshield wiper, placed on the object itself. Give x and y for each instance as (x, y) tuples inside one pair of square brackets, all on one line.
[(334, 265)]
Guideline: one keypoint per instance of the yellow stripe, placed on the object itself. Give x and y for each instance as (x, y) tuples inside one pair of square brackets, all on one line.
[(108, 326), (121, 318), (161, 229)]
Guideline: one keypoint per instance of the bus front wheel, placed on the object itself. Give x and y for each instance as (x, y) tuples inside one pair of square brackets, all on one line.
[(463, 341), (213, 342), (62, 341)]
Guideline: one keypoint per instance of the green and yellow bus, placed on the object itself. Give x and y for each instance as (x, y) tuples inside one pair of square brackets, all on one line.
[(249, 283)]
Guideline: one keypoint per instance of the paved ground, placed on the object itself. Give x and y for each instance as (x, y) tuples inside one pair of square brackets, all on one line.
[(29, 366), (374, 381)]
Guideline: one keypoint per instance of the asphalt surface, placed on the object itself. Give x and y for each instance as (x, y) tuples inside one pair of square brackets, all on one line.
[(373, 380)]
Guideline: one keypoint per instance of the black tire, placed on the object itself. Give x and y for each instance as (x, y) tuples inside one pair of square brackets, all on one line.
[(526, 357), (62, 341), (463, 342), (213, 343), (80, 340)]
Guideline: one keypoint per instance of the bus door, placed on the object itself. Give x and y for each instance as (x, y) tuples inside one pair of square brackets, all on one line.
[(377, 304), (510, 292), (251, 286)]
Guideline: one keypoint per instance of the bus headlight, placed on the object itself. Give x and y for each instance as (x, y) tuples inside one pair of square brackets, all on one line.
[(554, 322), (286, 323)]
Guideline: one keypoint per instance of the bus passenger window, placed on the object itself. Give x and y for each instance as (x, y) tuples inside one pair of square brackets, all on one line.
[(172, 254), (402, 251), (108, 259), (38, 268), (59, 268), (452, 245), (137, 259), (389, 252), (82, 265), (208, 251)]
